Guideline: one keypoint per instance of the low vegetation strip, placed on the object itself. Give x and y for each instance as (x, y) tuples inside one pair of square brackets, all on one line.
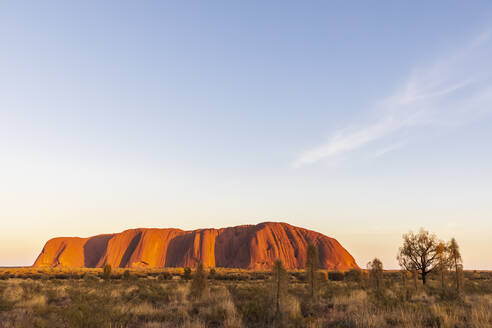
[(238, 298)]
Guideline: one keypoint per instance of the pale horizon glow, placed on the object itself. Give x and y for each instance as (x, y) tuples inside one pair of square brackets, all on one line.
[(348, 119)]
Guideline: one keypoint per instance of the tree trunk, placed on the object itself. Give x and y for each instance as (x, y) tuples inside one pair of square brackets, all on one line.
[(457, 274), (311, 282), (278, 297), (443, 281), (424, 277)]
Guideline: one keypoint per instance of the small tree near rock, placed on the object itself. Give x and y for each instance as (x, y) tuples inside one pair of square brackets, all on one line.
[(107, 272), (199, 282), (375, 268), (280, 285), (312, 265)]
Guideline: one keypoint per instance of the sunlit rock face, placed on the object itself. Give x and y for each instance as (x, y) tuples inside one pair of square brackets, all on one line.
[(253, 247)]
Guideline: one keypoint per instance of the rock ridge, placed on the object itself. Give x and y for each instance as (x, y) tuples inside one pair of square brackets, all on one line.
[(253, 247)]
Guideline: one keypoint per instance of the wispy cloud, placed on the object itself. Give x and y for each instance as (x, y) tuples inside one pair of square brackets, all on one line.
[(388, 149), (451, 91)]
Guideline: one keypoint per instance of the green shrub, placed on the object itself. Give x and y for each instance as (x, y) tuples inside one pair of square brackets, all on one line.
[(148, 291), (187, 273), (335, 276), (216, 317), (90, 278), (61, 276), (231, 277), (259, 276), (254, 303), (94, 310), (310, 308), (353, 275), (300, 276), (30, 288), (166, 276), (5, 305)]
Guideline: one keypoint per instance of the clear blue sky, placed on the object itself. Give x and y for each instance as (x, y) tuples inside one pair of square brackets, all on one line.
[(360, 120)]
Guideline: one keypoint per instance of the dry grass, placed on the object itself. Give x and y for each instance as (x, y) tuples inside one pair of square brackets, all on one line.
[(233, 299)]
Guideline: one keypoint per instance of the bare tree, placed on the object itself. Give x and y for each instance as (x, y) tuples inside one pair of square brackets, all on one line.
[(419, 252), (312, 265), (456, 263)]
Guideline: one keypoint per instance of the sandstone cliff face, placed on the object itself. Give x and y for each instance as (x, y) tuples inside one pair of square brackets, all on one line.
[(249, 247)]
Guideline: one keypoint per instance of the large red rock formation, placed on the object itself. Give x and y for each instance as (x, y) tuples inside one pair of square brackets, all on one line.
[(248, 247)]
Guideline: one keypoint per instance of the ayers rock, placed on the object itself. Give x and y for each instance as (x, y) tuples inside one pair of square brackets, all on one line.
[(253, 247)]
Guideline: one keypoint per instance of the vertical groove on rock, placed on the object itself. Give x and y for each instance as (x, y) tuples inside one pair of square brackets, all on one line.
[(129, 250)]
